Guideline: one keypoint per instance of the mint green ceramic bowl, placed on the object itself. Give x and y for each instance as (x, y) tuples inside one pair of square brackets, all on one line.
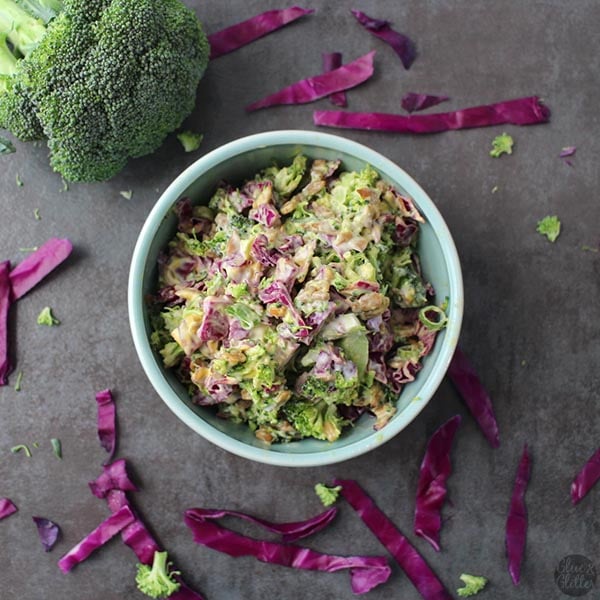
[(241, 159)]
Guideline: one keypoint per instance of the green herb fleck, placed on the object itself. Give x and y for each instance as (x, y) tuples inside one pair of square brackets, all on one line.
[(32, 249), (19, 180), (550, 227), (20, 447), (47, 318), (502, 144), (36, 214), (327, 495), (589, 249), (56, 447), (473, 585), (127, 194), (190, 141), (18, 382), (36, 444), (6, 146)]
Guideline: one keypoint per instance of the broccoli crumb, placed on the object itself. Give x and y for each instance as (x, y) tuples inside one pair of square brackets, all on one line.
[(502, 144), (190, 141), (327, 495), (550, 227), (473, 585), (47, 318)]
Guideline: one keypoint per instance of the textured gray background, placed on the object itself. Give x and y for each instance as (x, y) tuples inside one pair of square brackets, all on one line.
[(526, 301)]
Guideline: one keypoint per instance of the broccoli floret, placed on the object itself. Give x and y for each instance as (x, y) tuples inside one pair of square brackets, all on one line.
[(319, 420), (157, 582), (47, 318), (190, 141), (327, 495), (103, 82), (501, 144), (473, 585)]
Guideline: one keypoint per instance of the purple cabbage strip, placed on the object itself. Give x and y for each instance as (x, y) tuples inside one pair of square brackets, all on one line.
[(289, 532), (474, 395), (48, 532), (516, 523), (586, 478), (522, 111), (234, 37), (7, 508), (30, 271), (412, 102), (114, 477), (308, 90), (568, 151), (403, 46), (411, 562), (107, 426), (431, 490), (5, 292), (97, 538), (366, 572), (331, 61)]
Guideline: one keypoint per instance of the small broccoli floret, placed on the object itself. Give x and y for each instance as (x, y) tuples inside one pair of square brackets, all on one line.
[(473, 585), (103, 82), (502, 144), (190, 141), (550, 227), (327, 495), (47, 318), (157, 582), (319, 420)]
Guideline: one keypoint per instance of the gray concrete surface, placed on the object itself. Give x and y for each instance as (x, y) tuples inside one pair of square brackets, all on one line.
[(532, 318)]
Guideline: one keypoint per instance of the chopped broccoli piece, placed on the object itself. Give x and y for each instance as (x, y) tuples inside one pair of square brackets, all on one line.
[(502, 144), (127, 194), (103, 82), (190, 141), (473, 585), (319, 420), (327, 495), (157, 582), (550, 227), (47, 318)]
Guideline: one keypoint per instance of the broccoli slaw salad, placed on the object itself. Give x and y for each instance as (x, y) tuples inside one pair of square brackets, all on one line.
[(295, 303)]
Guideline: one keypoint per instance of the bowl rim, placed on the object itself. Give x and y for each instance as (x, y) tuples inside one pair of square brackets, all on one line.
[(135, 300)]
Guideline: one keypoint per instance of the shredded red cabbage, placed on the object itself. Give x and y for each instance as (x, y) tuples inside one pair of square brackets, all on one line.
[(516, 523), (366, 572), (114, 477), (289, 532), (29, 272), (567, 151), (431, 490), (586, 478), (241, 34), (97, 538), (523, 111), (307, 90), (7, 508), (411, 562), (4, 306), (48, 532), (402, 45), (474, 395), (107, 427), (332, 61), (412, 102)]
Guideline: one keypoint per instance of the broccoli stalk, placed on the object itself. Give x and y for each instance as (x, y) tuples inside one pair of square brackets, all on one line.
[(8, 63), (45, 10), (23, 30), (157, 582), (473, 585)]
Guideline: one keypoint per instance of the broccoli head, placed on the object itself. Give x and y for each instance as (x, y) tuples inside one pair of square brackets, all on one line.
[(103, 82), (157, 582)]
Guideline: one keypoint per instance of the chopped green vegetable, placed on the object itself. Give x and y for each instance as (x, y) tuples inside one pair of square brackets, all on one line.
[(327, 495), (550, 227), (473, 585), (441, 320), (32, 249), (586, 248), (36, 214), (190, 141), (36, 444), (56, 447), (20, 447), (65, 185), (502, 144), (157, 581), (127, 194), (18, 180), (6, 146), (494, 189), (47, 318), (18, 382)]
